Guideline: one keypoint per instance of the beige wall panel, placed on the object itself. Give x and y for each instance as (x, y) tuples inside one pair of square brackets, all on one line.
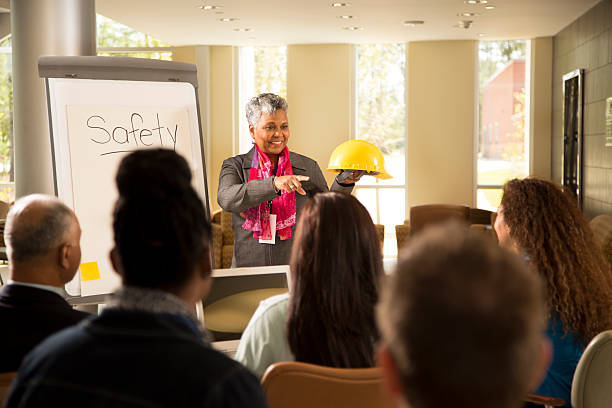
[(540, 106), (319, 95), (440, 121), (222, 113)]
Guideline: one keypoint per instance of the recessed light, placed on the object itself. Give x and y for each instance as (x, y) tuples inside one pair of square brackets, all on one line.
[(227, 19), (476, 1), (413, 23), (207, 7), (489, 7), (353, 28), (345, 17), (467, 14), (243, 30), (337, 4), (463, 24), (481, 34)]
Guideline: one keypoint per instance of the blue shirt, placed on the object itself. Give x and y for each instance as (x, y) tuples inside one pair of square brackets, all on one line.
[(567, 350)]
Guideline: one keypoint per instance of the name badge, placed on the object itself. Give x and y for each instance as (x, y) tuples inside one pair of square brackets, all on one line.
[(272, 239)]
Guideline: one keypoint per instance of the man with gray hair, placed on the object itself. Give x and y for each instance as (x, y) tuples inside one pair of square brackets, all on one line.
[(42, 238)]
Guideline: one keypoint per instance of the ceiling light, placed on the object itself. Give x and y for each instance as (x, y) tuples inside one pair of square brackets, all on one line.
[(481, 34), (413, 23), (207, 7), (353, 28), (227, 19), (467, 14), (345, 17), (337, 4), (476, 1), (489, 7), (243, 30), (463, 24)]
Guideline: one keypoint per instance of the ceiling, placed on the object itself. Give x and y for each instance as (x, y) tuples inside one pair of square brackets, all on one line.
[(277, 22)]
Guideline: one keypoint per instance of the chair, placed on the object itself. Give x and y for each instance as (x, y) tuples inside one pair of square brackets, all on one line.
[(402, 234), (301, 385), (592, 379), (602, 229), (429, 214), (380, 233), (6, 379), (223, 239)]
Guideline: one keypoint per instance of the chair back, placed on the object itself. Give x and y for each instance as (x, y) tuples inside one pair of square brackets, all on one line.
[(602, 229), (425, 215), (301, 385), (6, 379), (380, 233), (593, 377)]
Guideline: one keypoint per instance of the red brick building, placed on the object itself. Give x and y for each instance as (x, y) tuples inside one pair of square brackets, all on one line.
[(499, 131)]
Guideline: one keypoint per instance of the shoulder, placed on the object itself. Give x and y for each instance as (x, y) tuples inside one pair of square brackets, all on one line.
[(301, 161), (272, 307)]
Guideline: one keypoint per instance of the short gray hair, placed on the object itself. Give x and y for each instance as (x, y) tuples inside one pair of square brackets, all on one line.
[(28, 237), (264, 103)]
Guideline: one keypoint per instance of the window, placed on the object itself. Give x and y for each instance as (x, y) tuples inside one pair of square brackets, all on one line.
[(261, 69), (115, 39), (381, 120), (7, 173), (503, 142)]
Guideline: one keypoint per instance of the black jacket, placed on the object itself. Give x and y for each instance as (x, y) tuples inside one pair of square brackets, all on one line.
[(132, 359), (28, 316)]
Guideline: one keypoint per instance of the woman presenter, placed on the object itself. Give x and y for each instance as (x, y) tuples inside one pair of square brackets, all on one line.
[(266, 188)]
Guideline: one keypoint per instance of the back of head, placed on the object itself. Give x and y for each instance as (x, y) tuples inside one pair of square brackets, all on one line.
[(546, 223), (159, 221), (35, 225), (264, 103), (335, 266), (463, 319)]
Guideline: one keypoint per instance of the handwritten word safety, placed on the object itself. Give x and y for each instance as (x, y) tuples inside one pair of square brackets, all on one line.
[(135, 134)]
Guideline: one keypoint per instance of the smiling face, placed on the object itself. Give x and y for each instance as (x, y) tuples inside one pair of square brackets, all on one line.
[(271, 133)]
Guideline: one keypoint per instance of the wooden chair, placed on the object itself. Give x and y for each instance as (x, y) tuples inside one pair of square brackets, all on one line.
[(380, 233), (223, 239), (429, 214), (592, 379), (301, 385), (6, 379)]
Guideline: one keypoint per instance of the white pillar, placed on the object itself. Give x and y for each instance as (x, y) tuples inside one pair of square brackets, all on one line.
[(42, 27)]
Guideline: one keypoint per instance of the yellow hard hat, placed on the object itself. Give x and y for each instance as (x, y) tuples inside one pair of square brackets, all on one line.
[(358, 155)]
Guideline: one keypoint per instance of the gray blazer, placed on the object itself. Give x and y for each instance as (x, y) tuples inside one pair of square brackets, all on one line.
[(236, 195)]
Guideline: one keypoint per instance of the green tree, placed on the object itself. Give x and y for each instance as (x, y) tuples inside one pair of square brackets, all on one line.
[(381, 100), (113, 34), (270, 70)]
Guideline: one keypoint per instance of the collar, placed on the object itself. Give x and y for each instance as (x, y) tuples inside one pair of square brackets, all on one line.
[(154, 301), (54, 289)]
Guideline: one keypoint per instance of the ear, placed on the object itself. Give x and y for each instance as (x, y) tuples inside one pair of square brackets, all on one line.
[(252, 130), (63, 255), (392, 379), (115, 262), (544, 359)]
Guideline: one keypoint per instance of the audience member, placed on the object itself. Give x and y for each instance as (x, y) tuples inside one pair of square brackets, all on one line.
[(328, 316), (42, 240), (538, 220), (462, 323), (146, 348)]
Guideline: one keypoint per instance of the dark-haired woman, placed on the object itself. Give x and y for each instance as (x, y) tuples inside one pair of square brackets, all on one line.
[(266, 188), (539, 220), (146, 348), (328, 316)]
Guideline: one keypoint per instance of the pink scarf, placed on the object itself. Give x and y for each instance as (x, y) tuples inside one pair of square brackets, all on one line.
[(258, 217)]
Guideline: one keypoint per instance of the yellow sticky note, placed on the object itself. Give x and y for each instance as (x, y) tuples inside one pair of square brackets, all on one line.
[(90, 271)]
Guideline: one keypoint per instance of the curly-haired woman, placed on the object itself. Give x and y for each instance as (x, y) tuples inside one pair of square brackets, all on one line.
[(541, 221)]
